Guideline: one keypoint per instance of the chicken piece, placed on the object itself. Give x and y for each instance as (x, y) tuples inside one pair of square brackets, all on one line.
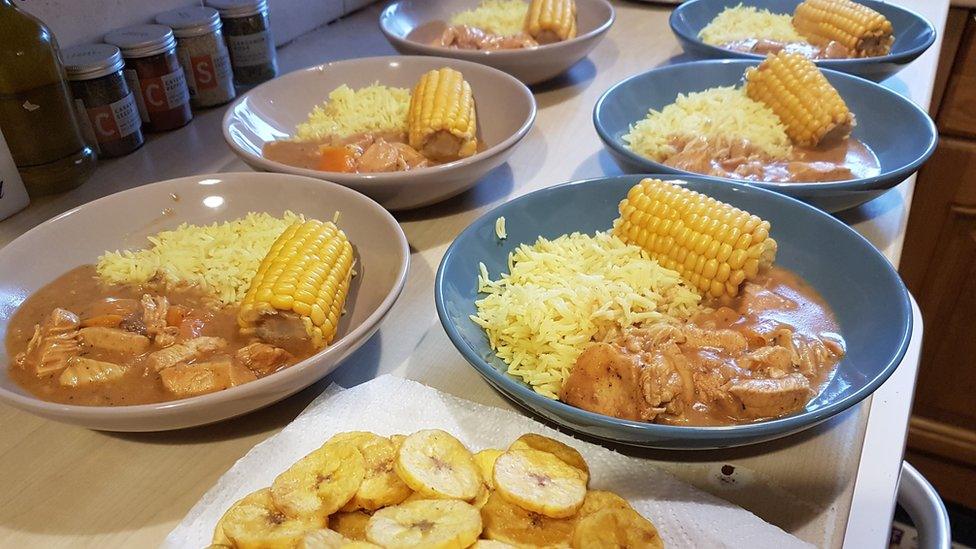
[(262, 359), (765, 46), (665, 378), (114, 340), (835, 50), (606, 381), (85, 371), (154, 311), (167, 337), (381, 156), (190, 350), (186, 380), (410, 159), (285, 330), (472, 38), (729, 341), (55, 340), (771, 397), (769, 358), (462, 37), (389, 156)]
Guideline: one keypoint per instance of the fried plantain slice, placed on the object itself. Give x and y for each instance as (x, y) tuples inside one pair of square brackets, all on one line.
[(485, 460), (352, 525), (381, 485), (324, 538), (541, 482), (254, 521), (507, 522), (432, 523), (437, 465), (569, 455), (616, 528), (320, 483)]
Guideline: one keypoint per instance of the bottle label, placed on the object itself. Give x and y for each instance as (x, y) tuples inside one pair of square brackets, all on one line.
[(210, 71), (164, 93), (115, 120), (132, 78), (250, 49)]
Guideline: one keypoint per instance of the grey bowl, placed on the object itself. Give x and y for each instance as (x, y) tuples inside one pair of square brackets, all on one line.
[(913, 35), (899, 132), (407, 24), (124, 220), (506, 111), (865, 293)]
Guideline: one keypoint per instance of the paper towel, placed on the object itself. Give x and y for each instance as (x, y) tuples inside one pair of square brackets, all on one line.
[(684, 515)]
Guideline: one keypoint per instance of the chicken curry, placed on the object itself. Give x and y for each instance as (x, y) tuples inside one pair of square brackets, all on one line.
[(760, 355), (835, 160), (380, 129), (79, 340)]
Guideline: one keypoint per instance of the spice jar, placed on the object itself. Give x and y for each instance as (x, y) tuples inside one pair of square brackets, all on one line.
[(248, 36), (154, 74), (106, 106), (201, 50)]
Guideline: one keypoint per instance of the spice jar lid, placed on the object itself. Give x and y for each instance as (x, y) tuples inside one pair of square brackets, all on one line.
[(90, 61), (238, 8), (190, 21), (142, 40)]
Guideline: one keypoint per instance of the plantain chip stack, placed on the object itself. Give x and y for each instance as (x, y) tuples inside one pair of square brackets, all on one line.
[(361, 490)]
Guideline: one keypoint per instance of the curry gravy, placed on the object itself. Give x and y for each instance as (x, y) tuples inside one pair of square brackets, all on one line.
[(83, 293), (778, 298)]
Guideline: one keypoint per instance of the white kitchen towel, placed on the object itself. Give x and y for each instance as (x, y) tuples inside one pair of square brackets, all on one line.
[(684, 515)]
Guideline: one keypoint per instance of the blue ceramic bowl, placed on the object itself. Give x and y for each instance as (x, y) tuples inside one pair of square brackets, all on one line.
[(899, 132), (913, 35), (866, 295)]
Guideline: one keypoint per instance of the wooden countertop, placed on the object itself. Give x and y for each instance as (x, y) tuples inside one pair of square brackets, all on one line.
[(68, 486)]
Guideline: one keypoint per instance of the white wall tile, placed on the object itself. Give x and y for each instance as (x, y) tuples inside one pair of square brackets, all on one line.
[(81, 21), (293, 18)]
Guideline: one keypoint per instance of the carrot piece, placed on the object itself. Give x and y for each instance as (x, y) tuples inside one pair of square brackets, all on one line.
[(105, 321), (336, 159)]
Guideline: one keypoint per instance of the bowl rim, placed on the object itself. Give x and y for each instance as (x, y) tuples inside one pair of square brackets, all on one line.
[(344, 344), (366, 180), (738, 434), (387, 15), (899, 58), (884, 180)]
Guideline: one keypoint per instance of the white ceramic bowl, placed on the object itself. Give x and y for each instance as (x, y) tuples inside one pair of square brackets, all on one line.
[(123, 220), (505, 107), (411, 26)]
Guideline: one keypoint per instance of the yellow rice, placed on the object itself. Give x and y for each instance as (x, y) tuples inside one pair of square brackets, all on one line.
[(559, 295), (715, 113), (374, 108), (220, 258), (504, 17), (742, 22)]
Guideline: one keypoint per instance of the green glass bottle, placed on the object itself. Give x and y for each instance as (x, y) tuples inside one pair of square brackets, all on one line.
[(36, 113)]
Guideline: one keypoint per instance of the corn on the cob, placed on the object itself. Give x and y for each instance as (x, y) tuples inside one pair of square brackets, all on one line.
[(713, 245), (441, 121), (860, 29), (551, 20), (800, 95), (306, 272)]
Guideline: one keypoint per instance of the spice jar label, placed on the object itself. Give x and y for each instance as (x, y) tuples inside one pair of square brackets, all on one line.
[(132, 78), (208, 71), (115, 120), (250, 49), (164, 93)]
